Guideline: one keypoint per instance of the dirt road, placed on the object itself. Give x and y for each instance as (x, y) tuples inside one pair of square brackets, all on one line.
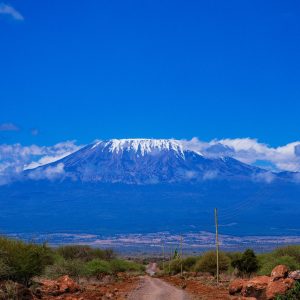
[(156, 289)]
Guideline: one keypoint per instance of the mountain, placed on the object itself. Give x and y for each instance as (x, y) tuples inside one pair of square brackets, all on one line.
[(147, 185), (145, 161)]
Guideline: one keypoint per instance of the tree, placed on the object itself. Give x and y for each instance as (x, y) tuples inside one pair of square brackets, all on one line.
[(247, 263), (21, 261), (176, 254)]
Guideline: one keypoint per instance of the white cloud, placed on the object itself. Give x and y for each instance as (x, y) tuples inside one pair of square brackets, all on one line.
[(8, 10), (50, 173), (15, 158), (250, 151), (267, 177), (9, 127), (209, 175)]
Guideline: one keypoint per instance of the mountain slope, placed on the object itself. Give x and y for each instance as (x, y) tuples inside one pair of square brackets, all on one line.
[(144, 161)]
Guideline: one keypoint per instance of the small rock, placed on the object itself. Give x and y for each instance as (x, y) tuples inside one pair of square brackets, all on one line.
[(295, 275), (183, 285), (256, 287), (109, 295), (236, 286), (60, 286), (243, 298), (280, 271), (279, 287)]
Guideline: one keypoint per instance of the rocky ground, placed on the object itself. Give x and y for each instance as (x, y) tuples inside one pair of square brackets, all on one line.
[(64, 288), (201, 287), (265, 287), (124, 286)]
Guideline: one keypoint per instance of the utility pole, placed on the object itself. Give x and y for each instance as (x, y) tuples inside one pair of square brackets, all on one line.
[(217, 243), (170, 260), (181, 268), (163, 251)]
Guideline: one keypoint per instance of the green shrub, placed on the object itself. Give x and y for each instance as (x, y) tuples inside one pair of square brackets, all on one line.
[(173, 267), (9, 291), (105, 254), (5, 270), (74, 268), (208, 263), (71, 252), (97, 267), (293, 251), (268, 262), (246, 263), (85, 253), (189, 263), (23, 260), (120, 265)]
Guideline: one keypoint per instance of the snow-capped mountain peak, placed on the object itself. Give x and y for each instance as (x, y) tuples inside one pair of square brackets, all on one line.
[(143, 161), (141, 146)]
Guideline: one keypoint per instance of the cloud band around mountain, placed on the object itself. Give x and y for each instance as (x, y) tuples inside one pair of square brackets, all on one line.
[(15, 158), (250, 151)]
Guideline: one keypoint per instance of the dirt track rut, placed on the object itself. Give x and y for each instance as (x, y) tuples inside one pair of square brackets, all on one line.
[(156, 289)]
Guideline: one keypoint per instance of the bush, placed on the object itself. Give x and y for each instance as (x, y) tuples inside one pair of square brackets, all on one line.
[(105, 254), (246, 263), (173, 267), (97, 267), (85, 253), (9, 291), (71, 252), (5, 270), (189, 263), (74, 268), (120, 265), (268, 262), (293, 251), (21, 261), (208, 263)]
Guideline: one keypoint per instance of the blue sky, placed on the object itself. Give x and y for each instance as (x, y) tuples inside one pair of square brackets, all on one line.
[(103, 69)]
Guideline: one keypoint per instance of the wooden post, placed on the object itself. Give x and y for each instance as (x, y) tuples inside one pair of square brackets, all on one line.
[(217, 243), (170, 260), (181, 267), (163, 250)]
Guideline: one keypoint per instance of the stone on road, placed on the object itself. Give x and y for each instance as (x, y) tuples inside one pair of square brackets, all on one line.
[(156, 289)]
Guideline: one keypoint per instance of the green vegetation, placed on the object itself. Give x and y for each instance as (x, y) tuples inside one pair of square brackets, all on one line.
[(247, 263), (98, 267), (289, 256), (20, 261), (84, 253), (244, 264), (208, 263), (74, 268)]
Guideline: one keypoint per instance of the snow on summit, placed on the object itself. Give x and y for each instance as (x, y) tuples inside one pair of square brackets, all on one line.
[(141, 146)]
